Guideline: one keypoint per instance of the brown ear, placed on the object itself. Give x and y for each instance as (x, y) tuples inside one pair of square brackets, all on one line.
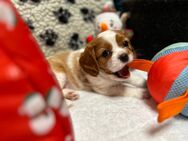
[(88, 60)]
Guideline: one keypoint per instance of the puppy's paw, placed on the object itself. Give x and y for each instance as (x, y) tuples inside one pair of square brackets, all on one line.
[(70, 94)]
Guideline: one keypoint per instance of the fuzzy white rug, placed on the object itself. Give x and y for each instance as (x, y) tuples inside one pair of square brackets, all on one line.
[(101, 118)]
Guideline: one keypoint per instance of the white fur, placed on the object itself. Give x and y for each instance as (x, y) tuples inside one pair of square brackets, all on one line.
[(70, 63), (114, 64), (61, 78), (70, 60)]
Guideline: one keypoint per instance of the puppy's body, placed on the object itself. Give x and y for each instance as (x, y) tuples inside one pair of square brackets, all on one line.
[(101, 67), (67, 70)]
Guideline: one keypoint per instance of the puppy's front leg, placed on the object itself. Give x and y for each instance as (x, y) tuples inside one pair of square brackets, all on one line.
[(69, 94), (61, 79)]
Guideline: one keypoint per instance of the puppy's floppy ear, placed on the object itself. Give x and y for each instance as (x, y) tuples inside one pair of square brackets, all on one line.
[(88, 60)]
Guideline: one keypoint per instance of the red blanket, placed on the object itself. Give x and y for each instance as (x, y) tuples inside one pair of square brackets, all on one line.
[(31, 103)]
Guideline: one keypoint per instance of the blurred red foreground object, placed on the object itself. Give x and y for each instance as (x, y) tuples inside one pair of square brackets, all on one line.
[(31, 104)]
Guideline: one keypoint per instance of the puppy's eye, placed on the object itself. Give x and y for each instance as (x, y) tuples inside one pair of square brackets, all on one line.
[(106, 53), (125, 44)]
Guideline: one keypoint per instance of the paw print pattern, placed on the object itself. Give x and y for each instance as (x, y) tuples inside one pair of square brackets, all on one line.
[(63, 15), (88, 14), (23, 0), (49, 37), (39, 111), (35, 1), (75, 41), (71, 1), (30, 24)]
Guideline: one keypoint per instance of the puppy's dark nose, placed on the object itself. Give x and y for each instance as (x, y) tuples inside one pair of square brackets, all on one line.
[(124, 57)]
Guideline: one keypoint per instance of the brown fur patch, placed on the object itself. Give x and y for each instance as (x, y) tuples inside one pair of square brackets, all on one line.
[(58, 63), (101, 46), (121, 37), (88, 60), (92, 59)]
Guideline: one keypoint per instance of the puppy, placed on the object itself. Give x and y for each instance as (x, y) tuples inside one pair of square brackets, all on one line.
[(100, 67)]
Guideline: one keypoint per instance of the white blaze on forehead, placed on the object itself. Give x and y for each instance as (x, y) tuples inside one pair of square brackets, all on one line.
[(108, 35)]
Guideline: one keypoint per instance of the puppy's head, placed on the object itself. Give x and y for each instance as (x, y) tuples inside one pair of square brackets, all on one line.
[(108, 55)]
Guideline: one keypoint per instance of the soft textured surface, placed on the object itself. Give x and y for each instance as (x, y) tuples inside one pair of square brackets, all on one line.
[(96, 117), (102, 118), (56, 28)]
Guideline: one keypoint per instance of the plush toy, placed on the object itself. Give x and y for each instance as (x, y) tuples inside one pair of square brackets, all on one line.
[(109, 21), (106, 21), (31, 103), (168, 79)]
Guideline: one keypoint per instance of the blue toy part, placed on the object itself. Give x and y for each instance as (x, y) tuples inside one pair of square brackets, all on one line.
[(177, 47)]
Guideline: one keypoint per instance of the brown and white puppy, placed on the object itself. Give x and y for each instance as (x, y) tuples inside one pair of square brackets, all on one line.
[(100, 67)]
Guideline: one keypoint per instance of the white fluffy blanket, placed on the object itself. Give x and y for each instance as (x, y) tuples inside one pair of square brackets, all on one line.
[(101, 118)]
